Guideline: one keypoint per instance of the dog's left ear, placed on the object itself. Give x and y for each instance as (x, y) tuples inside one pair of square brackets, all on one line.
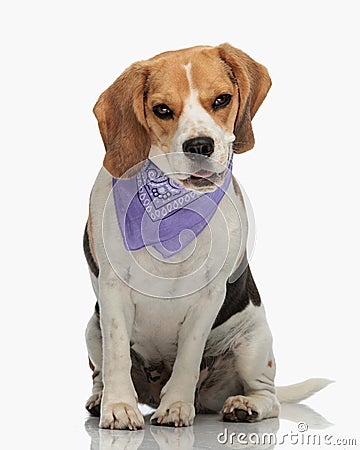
[(253, 82)]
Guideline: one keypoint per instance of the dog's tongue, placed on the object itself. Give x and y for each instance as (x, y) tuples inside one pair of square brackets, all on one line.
[(202, 174)]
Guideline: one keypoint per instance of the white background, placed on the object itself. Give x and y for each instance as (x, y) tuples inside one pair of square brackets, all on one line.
[(302, 180)]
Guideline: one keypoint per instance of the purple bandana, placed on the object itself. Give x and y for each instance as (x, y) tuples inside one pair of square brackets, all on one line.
[(153, 210)]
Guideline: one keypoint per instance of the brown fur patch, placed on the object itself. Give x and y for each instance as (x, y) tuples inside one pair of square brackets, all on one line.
[(91, 365), (89, 255), (237, 190), (91, 240)]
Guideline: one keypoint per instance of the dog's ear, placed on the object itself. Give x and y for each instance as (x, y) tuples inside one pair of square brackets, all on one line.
[(253, 83), (120, 114)]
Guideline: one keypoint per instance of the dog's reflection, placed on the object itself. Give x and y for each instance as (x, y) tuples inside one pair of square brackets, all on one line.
[(112, 439), (207, 432)]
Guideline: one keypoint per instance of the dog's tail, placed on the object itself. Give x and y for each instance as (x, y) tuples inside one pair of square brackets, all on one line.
[(300, 391)]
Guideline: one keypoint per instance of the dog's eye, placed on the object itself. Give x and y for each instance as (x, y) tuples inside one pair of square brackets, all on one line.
[(221, 101), (163, 111)]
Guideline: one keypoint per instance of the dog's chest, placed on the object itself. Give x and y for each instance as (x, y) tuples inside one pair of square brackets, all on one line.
[(181, 286), (156, 326), (164, 292), (214, 252)]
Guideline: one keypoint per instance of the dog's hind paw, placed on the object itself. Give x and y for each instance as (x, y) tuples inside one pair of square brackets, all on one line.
[(93, 404), (239, 409)]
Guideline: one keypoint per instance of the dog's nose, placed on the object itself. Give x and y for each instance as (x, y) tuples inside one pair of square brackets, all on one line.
[(198, 146)]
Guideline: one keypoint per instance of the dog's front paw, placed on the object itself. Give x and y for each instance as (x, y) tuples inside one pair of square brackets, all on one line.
[(239, 409), (121, 416), (178, 414)]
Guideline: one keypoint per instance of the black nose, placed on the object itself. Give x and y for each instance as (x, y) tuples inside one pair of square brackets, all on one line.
[(198, 146)]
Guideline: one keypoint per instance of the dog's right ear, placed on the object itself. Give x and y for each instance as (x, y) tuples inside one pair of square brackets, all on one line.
[(120, 114), (253, 82)]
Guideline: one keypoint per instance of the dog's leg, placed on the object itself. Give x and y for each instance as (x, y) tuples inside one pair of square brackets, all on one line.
[(255, 367), (94, 346), (119, 403), (177, 396)]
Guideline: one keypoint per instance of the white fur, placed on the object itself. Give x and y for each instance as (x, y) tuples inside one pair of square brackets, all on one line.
[(300, 391)]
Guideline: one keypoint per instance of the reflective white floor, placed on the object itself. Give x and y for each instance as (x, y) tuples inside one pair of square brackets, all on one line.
[(298, 426), (207, 433)]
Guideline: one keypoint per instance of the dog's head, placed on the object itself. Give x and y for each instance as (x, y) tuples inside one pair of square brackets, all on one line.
[(192, 106)]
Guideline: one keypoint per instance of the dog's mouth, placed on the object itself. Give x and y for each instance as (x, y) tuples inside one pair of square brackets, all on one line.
[(204, 179)]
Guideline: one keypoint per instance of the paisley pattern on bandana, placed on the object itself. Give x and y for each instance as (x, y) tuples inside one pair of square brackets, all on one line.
[(153, 210), (159, 194)]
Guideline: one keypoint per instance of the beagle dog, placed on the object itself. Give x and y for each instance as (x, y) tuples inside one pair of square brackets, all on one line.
[(178, 324)]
